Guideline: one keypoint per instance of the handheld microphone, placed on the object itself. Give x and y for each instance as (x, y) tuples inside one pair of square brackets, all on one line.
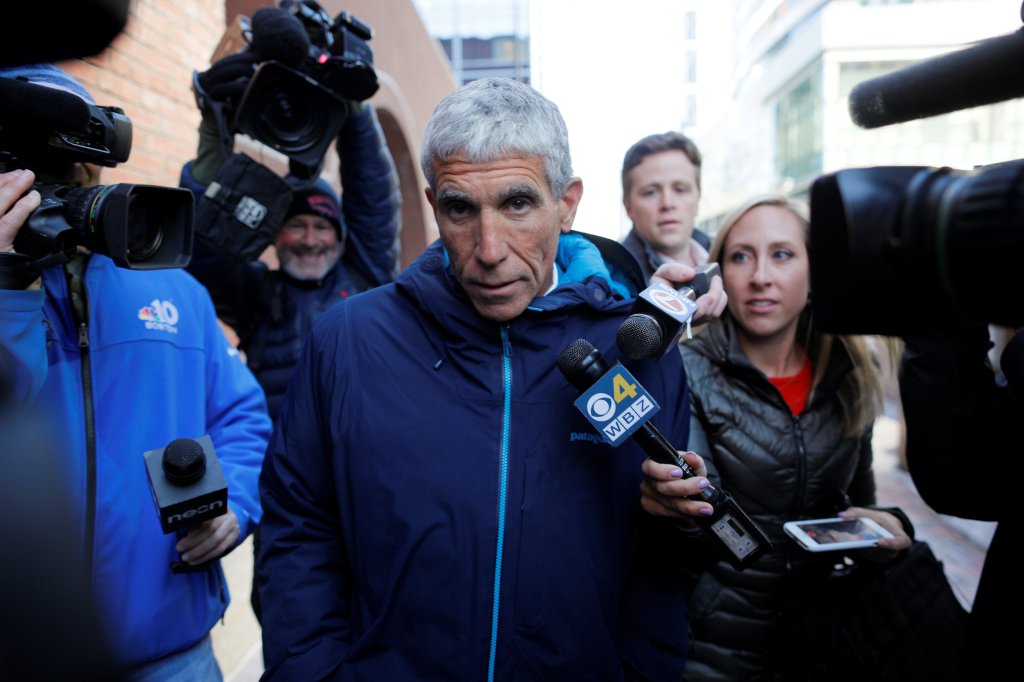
[(729, 528), (188, 487), (985, 73), (660, 315)]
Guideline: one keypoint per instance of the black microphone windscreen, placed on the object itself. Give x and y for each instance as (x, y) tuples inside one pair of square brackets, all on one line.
[(572, 360), (39, 107), (985, 73), (279, 35), (639, 337), (184, 461)]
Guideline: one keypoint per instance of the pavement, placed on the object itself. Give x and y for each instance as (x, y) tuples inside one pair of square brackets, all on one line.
[(959, 543)]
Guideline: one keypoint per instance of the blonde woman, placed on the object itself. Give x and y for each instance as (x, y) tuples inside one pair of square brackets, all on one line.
[(783, 417)]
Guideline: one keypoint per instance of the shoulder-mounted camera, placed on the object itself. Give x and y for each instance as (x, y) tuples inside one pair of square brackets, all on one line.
[(307, 69), (47, 130)]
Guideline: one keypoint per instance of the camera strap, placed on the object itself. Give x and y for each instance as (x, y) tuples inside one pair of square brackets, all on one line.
[(18, 271), (243, 208)]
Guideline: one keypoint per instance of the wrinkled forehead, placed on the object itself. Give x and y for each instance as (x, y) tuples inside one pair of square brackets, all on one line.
[(463, 175)]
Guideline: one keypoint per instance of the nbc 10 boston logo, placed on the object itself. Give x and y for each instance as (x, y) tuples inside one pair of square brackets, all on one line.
[(617, 405)]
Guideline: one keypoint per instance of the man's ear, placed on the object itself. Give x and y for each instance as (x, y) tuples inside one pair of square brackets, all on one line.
[(430, 198), (568, 204)]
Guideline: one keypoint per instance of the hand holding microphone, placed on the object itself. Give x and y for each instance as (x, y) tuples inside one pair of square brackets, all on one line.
[(210, 540), (619, 407), (705, 280), (662, 312), (191, 498)]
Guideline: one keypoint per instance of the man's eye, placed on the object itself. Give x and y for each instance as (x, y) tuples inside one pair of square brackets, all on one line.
[(457, 208), (519, 204)]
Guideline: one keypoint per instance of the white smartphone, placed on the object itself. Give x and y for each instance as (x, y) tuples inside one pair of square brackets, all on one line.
[(826, 535)]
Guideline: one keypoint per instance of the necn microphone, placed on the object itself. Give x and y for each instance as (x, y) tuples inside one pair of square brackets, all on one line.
[(661, 314), (188, 487), (619, 407)]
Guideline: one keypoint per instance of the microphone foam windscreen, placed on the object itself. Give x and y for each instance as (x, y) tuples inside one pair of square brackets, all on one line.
[(985, 73), (41, 107), (184, 461), (639, 337), (279, 35), (570, 360)]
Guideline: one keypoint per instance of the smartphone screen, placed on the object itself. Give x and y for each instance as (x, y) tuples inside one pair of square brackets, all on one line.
[(832, 534)]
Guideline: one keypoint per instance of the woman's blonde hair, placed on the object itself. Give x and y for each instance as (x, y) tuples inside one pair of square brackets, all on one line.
[(862, 393)]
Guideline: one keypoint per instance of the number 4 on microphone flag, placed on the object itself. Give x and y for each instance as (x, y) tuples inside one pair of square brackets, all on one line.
[(617, 405)]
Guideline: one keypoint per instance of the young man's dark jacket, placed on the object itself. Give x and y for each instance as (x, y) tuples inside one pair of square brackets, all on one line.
[(647, 258), (433, 498), (273, 312)]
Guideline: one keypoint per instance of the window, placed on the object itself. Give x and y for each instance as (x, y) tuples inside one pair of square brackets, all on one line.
[(690, 111), (798, 123), (691, 66)]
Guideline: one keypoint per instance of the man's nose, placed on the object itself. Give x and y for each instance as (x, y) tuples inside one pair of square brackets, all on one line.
[(492, 247), (668, 200), (309, 235)]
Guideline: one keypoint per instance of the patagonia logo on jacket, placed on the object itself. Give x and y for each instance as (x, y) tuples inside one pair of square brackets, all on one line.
[(592, 437)]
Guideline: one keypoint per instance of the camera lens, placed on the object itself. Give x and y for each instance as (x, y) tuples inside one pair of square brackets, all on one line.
[(144, 240), (291, 112), (291, 121)]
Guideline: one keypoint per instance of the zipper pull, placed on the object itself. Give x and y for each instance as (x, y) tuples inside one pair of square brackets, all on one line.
[(83, 335)]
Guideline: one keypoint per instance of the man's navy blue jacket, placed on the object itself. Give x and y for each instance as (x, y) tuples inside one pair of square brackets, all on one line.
[(436, 508)]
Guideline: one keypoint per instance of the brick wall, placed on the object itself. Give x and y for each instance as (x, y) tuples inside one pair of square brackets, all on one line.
[(147, 71)]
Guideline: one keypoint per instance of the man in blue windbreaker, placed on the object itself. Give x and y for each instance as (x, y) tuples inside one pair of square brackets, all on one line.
[(435, 507), (123, 362)]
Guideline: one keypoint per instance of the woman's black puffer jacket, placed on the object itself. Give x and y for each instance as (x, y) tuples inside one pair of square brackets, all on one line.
[(778, 467)]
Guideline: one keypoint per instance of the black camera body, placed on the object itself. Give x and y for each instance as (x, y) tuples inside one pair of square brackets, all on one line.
[(340, 56), (296, 103), (141, 227), (905, 250)]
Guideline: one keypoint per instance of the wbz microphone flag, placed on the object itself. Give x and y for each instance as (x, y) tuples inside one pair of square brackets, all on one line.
[(617, 405)]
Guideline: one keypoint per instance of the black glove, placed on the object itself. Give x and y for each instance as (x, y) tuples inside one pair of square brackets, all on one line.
[(226, 80), (218, 91)]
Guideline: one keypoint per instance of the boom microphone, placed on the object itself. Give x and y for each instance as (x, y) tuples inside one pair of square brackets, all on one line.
[(277, 34), (660, 315), (738, 538), (32, 107), (986, 73)]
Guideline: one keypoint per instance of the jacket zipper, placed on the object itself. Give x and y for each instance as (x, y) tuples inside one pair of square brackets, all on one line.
[(506, 373), (90, 421)]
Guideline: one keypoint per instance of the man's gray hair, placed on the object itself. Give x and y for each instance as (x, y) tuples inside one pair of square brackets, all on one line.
[(491, 118)]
